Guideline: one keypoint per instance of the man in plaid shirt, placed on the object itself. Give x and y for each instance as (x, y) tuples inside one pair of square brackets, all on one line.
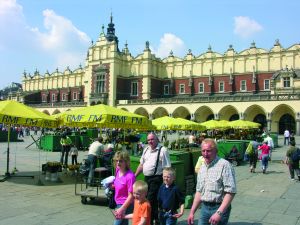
[(216, 187)]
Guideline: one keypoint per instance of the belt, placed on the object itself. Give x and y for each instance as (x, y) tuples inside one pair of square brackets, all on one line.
[(211, 203)]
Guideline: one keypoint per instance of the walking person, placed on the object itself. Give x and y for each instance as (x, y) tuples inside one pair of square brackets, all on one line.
[(292, 160), (155, 157), (252, 152), (286, 135), (270, 143), (264, 156), (65, 142), (216, 187), (123, 187)]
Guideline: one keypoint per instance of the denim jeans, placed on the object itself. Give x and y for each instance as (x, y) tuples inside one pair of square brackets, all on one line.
[(207, 211), (92, 162), (166, 218), (124, 221), (264, 161)]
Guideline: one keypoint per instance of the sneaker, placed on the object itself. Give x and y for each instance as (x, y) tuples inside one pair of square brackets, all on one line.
[(292, 178)]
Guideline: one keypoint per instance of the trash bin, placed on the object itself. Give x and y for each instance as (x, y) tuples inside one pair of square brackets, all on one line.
[(225, 147), (274, 137), (134, 163), (185, 157), (179, 168)]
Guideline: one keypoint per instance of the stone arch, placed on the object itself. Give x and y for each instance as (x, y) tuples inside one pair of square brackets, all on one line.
[(124, 109), (182, 112), (93, 103), (142, 111), (46, 112), (253, 110), (203, 114), (56, 111), (256, 114), (282, 117), (159, 112), (228, 113)]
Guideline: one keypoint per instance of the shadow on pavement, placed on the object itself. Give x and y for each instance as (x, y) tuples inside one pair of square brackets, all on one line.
[(39, 178), (244, 223)]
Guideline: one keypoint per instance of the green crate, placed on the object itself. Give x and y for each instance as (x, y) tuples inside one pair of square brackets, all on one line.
[(84, 142), (75, 140), (195, 156), (224, 148), (134, 163), (92, 133), (51, 143), (274, 137), (179, 168), (185, 157), (177, 165)]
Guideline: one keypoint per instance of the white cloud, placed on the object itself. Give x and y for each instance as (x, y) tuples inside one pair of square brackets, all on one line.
[(61, 34), (58, 42), (170, 42), (246, 27)]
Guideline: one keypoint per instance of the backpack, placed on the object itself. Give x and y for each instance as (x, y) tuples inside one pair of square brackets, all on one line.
[(296, 155)]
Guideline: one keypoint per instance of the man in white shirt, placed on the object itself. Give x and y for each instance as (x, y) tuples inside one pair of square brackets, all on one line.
[(95, 150), (286, 135)]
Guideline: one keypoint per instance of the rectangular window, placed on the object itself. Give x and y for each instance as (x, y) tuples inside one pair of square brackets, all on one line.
[(286, 82), (181, 88), (201, 88), (266, 85), (53, 98), (64, 97), (75, 95), (44, 98), (166, 89), (221, 86), (134, 88), (243, 85), (100, 83)]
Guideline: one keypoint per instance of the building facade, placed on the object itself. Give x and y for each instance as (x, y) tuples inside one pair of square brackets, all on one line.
[(255, 84)]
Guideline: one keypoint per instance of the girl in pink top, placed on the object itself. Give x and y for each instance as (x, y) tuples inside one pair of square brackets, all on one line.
[(123, 187), (265, 151)]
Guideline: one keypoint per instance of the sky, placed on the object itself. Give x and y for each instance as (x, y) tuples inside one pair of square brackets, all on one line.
[(44, 35)]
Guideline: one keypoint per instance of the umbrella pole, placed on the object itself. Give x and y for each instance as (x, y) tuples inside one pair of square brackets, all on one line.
[(7, 174)]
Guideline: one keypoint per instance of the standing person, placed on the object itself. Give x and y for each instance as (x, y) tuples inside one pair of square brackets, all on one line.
[(252, 151), (123, 187), (142, 208), (265, 155), (170, 199), (95, 150), (216, 187), (74, 154), (292, 163), (65, 142), (270, 143), (286, 135), (155, 157)]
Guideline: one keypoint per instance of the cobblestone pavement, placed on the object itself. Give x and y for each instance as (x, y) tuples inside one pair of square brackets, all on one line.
[(268, 199)]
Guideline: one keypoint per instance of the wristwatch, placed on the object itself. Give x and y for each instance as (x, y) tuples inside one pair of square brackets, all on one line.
[(219, 213)]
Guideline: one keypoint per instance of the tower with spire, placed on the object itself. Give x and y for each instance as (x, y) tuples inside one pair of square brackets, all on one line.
[(110, 35)]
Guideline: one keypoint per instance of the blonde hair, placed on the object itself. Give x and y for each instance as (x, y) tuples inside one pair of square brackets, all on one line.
[(123, 155), (140, 186), (211, 142), (170, 170)]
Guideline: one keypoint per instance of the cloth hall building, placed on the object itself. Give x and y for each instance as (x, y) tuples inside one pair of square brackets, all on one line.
[(255, 84)]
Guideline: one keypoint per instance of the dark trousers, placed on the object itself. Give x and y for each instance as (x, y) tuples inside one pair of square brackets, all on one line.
[(294, 166), (74, 159), (253, 160), (64, 154), (154, 183)]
